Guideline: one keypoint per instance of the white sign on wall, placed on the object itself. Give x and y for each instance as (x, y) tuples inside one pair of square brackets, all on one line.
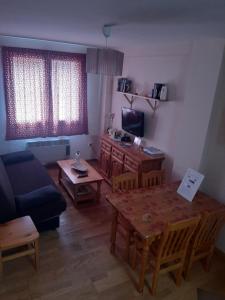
[(190, 184)]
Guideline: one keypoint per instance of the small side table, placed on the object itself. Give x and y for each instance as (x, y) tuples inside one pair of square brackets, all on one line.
[(21, 238)]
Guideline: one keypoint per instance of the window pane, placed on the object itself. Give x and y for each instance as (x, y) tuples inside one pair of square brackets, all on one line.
[(28, 78), (65, 90)]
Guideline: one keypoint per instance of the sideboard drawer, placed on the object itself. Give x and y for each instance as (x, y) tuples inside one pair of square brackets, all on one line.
[(117, 154), (130, 163), (107, 147)]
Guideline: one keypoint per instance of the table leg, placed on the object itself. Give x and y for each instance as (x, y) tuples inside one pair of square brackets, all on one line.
[(113, 231), (60, 175), (98, 194), (75, 196), (144, 262)]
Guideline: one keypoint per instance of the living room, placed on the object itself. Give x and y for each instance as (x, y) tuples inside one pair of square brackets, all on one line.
[(179, 44)]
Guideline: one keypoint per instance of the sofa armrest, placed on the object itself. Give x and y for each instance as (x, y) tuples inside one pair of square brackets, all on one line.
[(39, 197)]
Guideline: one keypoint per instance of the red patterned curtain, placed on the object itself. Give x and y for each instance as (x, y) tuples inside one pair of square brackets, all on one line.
[(46, 93)]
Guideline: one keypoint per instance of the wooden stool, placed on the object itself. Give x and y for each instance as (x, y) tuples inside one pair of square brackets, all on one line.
[(19, 233)]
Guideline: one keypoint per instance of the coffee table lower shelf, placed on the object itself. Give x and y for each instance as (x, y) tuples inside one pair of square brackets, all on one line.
[(79, 193)]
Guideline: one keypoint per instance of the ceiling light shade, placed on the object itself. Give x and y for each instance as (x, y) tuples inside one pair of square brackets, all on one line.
[(104, 61)]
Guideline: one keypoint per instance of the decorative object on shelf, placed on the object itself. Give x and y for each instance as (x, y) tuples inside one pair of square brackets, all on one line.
[(104, 61), (114, 134), (77, 157), (163, 93), (126, 138), (160, 91), (80, 168), (137, 141), (124, 85), (117, 135)]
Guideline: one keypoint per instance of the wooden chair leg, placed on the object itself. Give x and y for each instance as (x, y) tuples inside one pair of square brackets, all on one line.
[(207, 262), (187, 269), (154, 281), (127, 250), (179, 276), (36, 255), (113, 232), (188, 264)]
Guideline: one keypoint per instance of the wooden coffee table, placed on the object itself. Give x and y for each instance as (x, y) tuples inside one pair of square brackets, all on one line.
[(79, 189)]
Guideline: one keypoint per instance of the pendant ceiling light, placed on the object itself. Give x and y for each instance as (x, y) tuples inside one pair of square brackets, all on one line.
[(104, 61)]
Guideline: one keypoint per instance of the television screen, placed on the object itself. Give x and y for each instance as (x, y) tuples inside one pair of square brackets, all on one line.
[(133, 121)]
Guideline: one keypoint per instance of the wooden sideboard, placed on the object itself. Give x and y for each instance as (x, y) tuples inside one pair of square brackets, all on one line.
[(116, 159)]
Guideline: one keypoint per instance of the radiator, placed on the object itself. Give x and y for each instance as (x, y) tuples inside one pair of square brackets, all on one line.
[(50, 151)]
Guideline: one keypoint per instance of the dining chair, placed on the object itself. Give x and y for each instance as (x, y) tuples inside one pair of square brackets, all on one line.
[(203, 241), (123, 183), (168, 252), (152, 178)]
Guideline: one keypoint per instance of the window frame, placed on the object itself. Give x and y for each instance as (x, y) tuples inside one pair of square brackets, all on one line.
[(46, 128)]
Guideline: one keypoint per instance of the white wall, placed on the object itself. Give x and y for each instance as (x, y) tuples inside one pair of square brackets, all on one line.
[(166, 64), (78, 142), (203, 71), (179, 126), (213, 160)]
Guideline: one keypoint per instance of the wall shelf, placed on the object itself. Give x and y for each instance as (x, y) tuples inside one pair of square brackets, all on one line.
[(153, 103)]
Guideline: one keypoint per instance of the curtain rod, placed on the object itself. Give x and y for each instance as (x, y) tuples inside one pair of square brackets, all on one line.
[(46, 40)]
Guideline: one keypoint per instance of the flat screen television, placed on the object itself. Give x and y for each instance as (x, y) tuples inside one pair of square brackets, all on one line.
[(133, 121)]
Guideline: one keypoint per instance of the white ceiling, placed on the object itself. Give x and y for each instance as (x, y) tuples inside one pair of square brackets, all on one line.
[(138, 22)]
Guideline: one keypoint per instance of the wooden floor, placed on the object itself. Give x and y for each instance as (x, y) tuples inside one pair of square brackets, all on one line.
[(75, 263)]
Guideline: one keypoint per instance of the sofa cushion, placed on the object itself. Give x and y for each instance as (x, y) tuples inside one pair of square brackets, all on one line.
[(41, 204), (7, 201), (17, 157)]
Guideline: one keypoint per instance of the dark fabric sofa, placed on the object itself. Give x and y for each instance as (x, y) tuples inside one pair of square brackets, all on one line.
[(27, 189)]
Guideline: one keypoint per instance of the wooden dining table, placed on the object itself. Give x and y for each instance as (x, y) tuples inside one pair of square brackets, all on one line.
[(148, 211)]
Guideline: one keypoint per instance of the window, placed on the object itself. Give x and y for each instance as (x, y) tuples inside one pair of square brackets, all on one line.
[(46, 93)]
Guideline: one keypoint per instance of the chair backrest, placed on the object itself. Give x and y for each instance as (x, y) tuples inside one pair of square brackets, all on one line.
[(153, 178), (208, 230), (175, 239), (125, 182)]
